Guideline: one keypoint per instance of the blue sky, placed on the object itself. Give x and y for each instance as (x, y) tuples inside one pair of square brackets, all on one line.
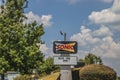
[(94, 24), (66, 16)]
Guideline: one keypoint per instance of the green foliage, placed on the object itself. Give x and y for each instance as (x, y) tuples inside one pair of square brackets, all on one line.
[(92, 59), (3, 63), (14, 10), (18, 49), (97, 72), (48, 66), (81, 60), (23, 77), (118, 78)]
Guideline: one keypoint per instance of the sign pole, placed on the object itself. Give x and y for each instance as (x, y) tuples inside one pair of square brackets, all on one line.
[(65, 71), (65, 48)]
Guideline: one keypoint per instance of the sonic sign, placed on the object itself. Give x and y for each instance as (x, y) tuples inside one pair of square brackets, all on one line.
[(65, 47)]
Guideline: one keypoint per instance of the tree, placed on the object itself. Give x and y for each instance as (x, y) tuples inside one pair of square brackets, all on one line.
[(18, 49), (92, 59), (48, 66)]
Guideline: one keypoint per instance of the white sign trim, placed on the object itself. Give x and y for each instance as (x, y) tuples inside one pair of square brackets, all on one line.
[(65, 60)]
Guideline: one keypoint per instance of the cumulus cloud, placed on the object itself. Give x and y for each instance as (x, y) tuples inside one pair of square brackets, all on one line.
[(116, 7), (110, 16), (103, 31), (105, 16), (31, 17), (44, 19), (99, 42), (47, 51), (43, 48), (106, 46)]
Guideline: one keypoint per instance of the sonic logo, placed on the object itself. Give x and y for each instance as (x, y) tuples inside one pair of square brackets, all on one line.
[(66, 47)]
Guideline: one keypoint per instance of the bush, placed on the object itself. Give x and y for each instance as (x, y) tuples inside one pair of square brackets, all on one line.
[(23, 77), (97, 72), (118, 78)]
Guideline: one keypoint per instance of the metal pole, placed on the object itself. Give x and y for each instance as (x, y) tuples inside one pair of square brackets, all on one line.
[(65, 71), (64, 36)]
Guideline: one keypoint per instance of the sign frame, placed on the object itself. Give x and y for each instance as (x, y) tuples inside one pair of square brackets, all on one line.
[(65, 60), (65, 47)]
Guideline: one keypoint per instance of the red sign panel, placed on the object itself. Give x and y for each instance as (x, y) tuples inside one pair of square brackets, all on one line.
[(65, 47)]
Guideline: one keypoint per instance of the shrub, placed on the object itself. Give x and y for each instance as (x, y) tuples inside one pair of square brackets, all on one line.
[(97, 72), (23, 77)]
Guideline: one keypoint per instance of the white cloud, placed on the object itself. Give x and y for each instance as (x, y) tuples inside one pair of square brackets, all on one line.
[(43, 48), (105, 46), (85, 37), (105, 16), (31, 17), (45, 19), (116, 7), (47, 51), (110, 16), (103, 31), (100, 42)]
